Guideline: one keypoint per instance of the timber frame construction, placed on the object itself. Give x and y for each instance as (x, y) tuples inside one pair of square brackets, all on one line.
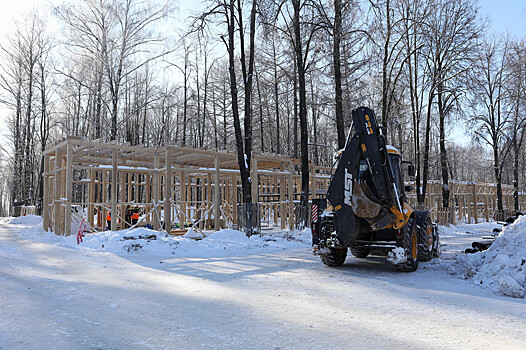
[(176, 187), (469, 202), (172, 187)]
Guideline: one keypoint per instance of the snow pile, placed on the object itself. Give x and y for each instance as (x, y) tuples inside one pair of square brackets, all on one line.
[(222, 243), (28, 220), (502, 268)]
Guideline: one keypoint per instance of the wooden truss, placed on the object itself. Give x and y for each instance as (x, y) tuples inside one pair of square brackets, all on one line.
[(469, 202), (168, 185)]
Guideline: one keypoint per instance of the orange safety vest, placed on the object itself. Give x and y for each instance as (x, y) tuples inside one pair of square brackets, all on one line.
[(108, 217), (135, 216)]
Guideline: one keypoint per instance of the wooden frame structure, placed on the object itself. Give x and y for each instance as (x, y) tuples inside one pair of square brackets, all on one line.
[(169, 185), (174, 187), (469, 202)]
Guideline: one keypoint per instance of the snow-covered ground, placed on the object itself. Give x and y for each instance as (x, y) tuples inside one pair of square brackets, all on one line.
[(132, 290)]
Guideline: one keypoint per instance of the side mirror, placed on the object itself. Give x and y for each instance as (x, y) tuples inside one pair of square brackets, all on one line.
[(411, 169), (408, 188)]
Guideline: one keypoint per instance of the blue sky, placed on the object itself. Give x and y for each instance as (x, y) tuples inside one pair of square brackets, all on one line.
[(505, 15)]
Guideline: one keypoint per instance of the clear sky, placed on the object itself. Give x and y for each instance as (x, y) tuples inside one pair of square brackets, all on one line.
[(505, 15)]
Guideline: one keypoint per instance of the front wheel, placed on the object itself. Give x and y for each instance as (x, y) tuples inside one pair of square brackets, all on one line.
[(335, 257), (410, 245)]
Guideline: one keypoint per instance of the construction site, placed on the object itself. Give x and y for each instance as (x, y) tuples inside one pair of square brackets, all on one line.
[(173, 188)]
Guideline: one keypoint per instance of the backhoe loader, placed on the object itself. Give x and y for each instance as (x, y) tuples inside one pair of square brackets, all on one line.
[(367, 206)]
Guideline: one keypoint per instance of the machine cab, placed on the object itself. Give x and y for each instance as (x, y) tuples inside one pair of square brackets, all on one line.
[(395, 159)]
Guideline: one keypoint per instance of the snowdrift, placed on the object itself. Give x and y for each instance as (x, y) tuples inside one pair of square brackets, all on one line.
[(222, 243), (502, 268)]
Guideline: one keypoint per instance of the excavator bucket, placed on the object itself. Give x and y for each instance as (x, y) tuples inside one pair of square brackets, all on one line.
[(364, 204), (353, 198)]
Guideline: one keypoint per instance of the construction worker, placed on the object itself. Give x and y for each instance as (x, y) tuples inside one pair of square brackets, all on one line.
[(108, 220), (128, 215), (135, 216)]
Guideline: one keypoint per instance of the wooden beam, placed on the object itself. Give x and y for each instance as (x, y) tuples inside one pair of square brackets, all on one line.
[(69, 189), (168, 193), (125, 178), (57, 205), (45, 200), (91, 198), (114, 159), (104, 191), (217, 197), (255, 180), (156, 194)]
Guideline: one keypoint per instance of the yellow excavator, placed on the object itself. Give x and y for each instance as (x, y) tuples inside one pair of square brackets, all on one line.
[(367, 205)]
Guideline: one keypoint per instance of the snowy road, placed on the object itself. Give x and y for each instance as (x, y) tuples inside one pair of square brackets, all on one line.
[(54, 297)]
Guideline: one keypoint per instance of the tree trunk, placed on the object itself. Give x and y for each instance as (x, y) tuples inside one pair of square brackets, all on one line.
[(302, 106), (340, 128), (242, 158), (276, 98), (443, 154), (261, 128), (295, 138), (385, 85), (425, 171)]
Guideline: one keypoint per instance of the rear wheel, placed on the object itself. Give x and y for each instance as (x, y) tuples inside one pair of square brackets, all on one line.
[(360, 252), (427, 240), (410, 242), (336, 257)]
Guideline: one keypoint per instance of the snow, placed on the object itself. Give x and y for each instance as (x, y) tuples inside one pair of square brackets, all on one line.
[(227, 291), (226, 242), (502, 268), (397, 255)]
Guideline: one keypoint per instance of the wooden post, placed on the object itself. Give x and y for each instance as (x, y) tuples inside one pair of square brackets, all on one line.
[(104, 196), (114, 161), (475, 204), (57, 203), (217, 197), (148, 196), (182, 189), (124, 176), (313, 183), (208, 199), (274, 207), (255, 180), (234, 199), (156, 188), (91, 198), (486, 211), (45, 200), (69, 188), (168, 192), (227, 197), (282, 199)]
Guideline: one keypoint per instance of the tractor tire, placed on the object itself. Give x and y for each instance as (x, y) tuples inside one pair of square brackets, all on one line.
[(428, 235), (360, 252), (410, 245), (436, 242), (336, 257)]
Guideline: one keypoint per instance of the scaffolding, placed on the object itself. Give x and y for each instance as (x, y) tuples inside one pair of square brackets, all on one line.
[(171, 187)]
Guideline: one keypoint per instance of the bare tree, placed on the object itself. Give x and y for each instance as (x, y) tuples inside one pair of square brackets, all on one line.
[(487, 84), (450, 41), (232, 15)]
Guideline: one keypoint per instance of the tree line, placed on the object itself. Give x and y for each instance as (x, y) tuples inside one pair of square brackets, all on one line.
[(270, 76)]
